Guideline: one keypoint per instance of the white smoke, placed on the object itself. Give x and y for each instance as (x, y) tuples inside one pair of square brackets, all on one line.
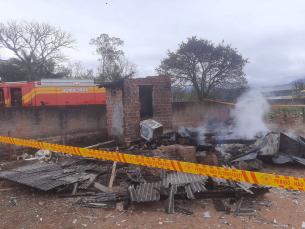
[(249, 113)]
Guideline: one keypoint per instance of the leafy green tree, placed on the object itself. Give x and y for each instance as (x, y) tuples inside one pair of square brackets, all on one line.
[(11, 73), (228, 95), (113, 63), (204, 66)]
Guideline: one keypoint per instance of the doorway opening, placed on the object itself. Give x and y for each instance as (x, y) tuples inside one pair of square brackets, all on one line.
[(146, 103)]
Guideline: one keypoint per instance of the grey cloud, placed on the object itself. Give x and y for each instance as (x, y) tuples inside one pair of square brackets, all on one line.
[(269, 33)]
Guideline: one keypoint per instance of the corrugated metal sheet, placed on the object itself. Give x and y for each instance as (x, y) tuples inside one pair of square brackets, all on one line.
[(192, 188), (197, 187), (189, 192), (245, 186), (169, 203), (44, 176), (132, 193), (220, 181), (89, 182), (109, 196), (36, 175), (299, 160), (181, 179), (145, 192), (79, 168)]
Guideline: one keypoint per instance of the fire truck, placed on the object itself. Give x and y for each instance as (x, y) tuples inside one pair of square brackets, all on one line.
[(51, 92)]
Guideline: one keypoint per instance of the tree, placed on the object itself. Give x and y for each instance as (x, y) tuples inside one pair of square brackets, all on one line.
[(113, 63), (35, 45), (228, 95), (297, 89), (78, 71), (11, 73), (198, 63)]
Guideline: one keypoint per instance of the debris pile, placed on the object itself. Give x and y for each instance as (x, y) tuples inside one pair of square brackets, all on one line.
[(223, 149), (90, 180), (109, 185)]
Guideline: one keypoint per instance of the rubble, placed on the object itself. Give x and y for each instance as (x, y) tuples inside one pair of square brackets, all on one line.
[(186, 153), (115, 185)]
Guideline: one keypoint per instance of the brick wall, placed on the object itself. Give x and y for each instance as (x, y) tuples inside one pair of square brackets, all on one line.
[(195, 113), (286, 102), (80, 125), (162, 106)]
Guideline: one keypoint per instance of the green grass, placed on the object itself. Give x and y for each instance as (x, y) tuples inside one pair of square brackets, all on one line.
[(35, 214)]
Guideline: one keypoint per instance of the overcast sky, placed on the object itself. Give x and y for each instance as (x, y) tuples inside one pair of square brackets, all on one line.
[(271, 34)]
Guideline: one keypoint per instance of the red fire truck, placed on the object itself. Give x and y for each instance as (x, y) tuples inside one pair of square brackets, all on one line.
[(51, 92)]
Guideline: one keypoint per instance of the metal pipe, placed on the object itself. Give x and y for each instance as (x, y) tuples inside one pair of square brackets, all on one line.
[(99, 144)]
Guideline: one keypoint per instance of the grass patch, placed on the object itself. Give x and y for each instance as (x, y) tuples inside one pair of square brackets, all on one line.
[(35, 214)]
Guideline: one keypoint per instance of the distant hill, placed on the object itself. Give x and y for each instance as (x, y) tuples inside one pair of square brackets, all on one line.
[(302, 80)]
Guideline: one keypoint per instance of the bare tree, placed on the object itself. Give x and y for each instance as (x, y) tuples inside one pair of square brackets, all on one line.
[(298, 90), (35, 44), (113, 63), (78, 71)]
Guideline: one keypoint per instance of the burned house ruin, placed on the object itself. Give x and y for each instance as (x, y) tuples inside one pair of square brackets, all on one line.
[(130, 101)]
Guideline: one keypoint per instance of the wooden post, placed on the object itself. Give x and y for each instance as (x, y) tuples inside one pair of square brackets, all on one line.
[(112, 174), (10, 148), (75, 188), (303, 114)]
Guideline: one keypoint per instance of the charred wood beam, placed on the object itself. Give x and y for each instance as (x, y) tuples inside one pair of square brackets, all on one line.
[(99, 144), (231, 141), (217, 134), (184, 211), (204, 147), (244, 154), (209, 194), (77, 195)]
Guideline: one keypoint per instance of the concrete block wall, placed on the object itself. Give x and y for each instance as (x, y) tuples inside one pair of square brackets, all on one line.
[(79, 125), (196, 113)]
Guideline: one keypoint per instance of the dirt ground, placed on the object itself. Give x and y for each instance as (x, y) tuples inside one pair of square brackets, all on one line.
[(38, 209)]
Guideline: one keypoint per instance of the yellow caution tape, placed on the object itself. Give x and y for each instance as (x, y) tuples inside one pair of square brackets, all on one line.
[(287, 105), (280, 181), (234, 104)]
